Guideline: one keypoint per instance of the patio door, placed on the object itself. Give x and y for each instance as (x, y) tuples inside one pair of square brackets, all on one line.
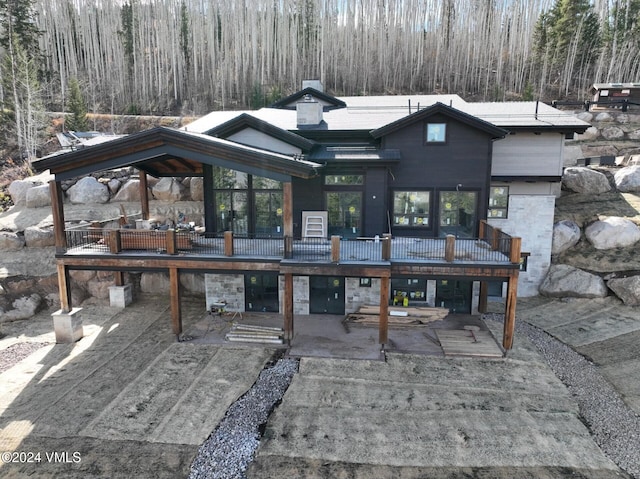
[(458, 213), (268, 213), (326, 295), (345, 213), (455, 295), (261, 292)]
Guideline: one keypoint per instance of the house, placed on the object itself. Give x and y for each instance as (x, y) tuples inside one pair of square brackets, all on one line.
[(319, 204), (615, 95)]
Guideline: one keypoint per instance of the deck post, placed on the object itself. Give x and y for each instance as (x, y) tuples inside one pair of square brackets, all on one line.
[(287, 209), (335, 249), (144, 195), (176, 315), (383, 328), (515, 250), (171, 242), (510, 312), (482, 229), (64, 287), (495, 239), (118, 278), (288, 307), (386, 247), (450, 248), (115, 241), (228, 243), (57, 209)]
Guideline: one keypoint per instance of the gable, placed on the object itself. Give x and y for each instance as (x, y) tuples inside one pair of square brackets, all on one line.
[(259, 139), (328, 102)]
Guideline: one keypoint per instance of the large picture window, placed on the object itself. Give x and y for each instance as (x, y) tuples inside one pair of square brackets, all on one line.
[(411, 208)]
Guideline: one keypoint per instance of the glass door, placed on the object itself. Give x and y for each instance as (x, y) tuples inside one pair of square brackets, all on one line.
[(326, 295), (231, 212), (455, 295), (261, 292), (458, 213), (345, 213), (268, 212)]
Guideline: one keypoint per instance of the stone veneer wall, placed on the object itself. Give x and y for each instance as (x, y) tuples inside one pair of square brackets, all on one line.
[(225, 287)]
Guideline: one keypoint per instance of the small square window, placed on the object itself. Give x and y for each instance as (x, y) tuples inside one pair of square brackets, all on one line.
[(436, 132)]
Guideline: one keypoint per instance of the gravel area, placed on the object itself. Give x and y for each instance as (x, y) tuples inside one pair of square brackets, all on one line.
[(231, 447), (15, 353), (613, 425)]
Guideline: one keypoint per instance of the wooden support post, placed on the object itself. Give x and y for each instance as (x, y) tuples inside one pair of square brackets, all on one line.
[(115, 241), (144, 195), (176, 314), (55, 191), (287, 209), (386, 247), (383, 326), (482, 231), (288, 307), (450, 248), (228, 243), (335, 249), (171, 242), (495, 239), (288, 247), (516, 247), (483, 297), (118, 277), (64, 288), (510, 312)]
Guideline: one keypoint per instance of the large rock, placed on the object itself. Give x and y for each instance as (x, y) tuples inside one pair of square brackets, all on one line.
[(627, 289), (18, 190), (10, 241), (38, 196), (566, 281), (130, 191), (99, 289), (628, 179), (585, 180), (566, 234), (168, 189), (590, 133), (23, 308), (193, 282), (36, 237), (196, 186), (612, 232), (88, 190), (613, 133), (155, 283)]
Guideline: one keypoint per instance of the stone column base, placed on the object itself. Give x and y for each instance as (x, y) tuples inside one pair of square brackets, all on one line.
[(120, 296), (67, 325)]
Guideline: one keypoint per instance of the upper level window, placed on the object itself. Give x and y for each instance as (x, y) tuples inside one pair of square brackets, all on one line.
[(436, 132), (411, 208), (498, 201), (344, 180)]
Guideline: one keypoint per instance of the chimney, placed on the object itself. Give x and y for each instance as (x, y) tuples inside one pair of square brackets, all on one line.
[(309, 112), (315, 84)]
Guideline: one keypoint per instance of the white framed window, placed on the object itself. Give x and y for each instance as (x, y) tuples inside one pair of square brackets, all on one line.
[(436, 133)]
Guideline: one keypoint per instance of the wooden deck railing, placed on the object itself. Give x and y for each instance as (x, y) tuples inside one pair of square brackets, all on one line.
[(492, 246)]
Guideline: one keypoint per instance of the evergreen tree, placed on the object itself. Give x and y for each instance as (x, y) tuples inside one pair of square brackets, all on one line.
[(77, 107)]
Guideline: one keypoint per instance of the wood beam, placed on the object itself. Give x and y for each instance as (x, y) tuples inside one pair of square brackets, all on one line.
[(483, 297), (383, 327), (64, 287), (144, 195), (288, 307), (118, 277), (287, 208), (176, 314), (510, 313), (57, 208)]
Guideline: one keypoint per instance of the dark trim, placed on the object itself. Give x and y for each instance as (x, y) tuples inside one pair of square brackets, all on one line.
[(527, 179), (244, 121), (208, 198), (440, 108), (284, 103)]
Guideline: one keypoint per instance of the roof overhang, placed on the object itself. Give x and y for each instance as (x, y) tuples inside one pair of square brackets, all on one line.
[(165, 151)]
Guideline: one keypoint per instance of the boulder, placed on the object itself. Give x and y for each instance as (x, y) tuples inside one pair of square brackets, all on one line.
[(130, 191), (154, 283), (590, 133), (88, 190), (627, 289), (38, 196), (196, 186), (193, 282), (18, 190), (10, 241), (114, 185), (566, 234), (23, 308), (585, 116), (634, 135), (81, 275), (99, 289), (566, 281), (604, 116), (612, 232), (168, 189), (585, 180), (613, 133), (20, 286), (36, 237), (628, 179)]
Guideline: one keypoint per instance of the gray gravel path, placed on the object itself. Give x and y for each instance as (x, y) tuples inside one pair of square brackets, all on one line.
[(613, 425), (228, 451), (15, 353)]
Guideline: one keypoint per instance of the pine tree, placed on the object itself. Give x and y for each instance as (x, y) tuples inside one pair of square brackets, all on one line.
[(77, 107)]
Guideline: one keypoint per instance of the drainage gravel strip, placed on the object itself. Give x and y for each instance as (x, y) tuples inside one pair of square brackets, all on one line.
[(231, 447), (613, 425)]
